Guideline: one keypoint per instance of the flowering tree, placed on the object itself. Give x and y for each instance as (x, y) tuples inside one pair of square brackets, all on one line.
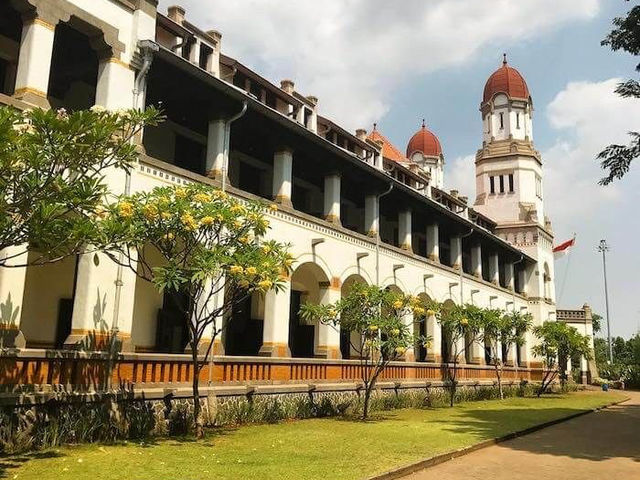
[(460, 327), (374, 318), (558, 342), (52, 167), (502, 329), (211, 249)]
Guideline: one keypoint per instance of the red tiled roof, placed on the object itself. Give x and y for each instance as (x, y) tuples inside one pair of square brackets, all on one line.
[(506, 80), (389, 150)]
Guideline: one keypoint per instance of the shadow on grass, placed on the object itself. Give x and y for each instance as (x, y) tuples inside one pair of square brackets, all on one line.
[(10, 462), (606, 434)]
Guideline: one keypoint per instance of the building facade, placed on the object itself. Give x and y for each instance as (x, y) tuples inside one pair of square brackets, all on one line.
[(353, 206)]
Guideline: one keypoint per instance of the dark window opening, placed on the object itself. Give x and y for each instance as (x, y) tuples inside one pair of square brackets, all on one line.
[(485, 268), (244, 333), (205, 56), (517, 120), (250, 179), (301, 336), (421, 350), (492, 184), (501, 183), (189, 154), (501, 121), (345, 344), (511, 189), (172, 335), (11, 30)]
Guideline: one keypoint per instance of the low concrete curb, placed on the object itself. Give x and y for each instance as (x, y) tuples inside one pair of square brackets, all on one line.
[(445, 457)]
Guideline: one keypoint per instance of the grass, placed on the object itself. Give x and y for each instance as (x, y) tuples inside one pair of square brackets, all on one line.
[(333, 448)]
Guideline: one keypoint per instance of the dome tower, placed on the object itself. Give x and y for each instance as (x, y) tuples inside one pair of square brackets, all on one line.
[(425, 150)]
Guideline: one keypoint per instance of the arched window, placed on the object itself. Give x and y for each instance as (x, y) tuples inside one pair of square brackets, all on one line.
[(547, 281)]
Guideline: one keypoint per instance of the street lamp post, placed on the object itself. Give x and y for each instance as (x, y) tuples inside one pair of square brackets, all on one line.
[(604, 248)]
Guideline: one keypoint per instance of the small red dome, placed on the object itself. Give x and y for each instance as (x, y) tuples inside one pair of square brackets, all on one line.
[(424, 141), (506, 80)]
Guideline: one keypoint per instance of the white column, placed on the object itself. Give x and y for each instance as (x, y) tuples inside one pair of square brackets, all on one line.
[(328, 336), (434, 354), (332, 198), (282, 176), (522, 280), (207, 306), (512, 356), (114, 89), (409, 354), (215, 148), (433, 246), (508, 275), (275, 338), (584, 369), (476, 260), (11, 293), (34, 62), (460, 349), (477, 353), (494, 269), (371, 215), (404, 230), (103, 304), (456, 252)]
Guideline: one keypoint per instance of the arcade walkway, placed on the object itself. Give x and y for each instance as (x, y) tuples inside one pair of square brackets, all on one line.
[(605, 444)]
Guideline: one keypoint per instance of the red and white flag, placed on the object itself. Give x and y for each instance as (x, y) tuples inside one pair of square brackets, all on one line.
[(564, 248)]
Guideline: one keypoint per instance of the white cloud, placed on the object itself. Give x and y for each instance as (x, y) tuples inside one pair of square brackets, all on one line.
[(353, 54), (460, 174)]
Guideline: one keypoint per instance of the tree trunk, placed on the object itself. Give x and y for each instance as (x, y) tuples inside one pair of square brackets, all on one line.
[(367, 397), (498, 365), (197, 415), (452, 379)]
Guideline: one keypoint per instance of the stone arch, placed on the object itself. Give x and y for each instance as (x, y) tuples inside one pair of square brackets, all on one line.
[(317, 260), (356, 271), (446, 346), (308, 282), (422, 326), (350, 342)]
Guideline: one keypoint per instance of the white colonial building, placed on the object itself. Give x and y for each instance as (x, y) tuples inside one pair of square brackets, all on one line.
[(353, 206)]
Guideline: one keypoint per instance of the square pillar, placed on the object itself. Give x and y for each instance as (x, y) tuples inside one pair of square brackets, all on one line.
[(433, 245), (509, 275), (371, 215), (494, 269), (476, 354), (434, 354), (216, 151), (34, 62), (11, 293), (456, 252), (103, 305), (282, 176), (462, 354), (114, 89), (584, 371), (210, 304), (328, 336), (275, 338), (522, 280), (332, 198), (476, 260), (404, 230), (510, 361)]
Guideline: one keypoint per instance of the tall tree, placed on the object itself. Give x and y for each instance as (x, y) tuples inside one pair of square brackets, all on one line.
[(625, 36), (201, 246), (52, 176)]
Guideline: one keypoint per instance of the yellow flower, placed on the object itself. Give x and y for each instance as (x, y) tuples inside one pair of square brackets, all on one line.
[(273, 207), (266, 248), (395, 331), (150, 211), (125, 209), (418, 311), (252, 271), (400, 350), (239, 209), (181, 193), (243, 283), (237, 224), (169, 236), (219, 194), (218, 217), (243, 240), (202, 197), (165, 215), (427, 344), (235, 269), (208, 220), (464, 321), (373, 328), (397, 304), (430, 313), (332, 312), (265, 284), (188, 221)]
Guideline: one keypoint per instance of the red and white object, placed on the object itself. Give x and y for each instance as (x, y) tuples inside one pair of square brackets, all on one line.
[(564, 248)]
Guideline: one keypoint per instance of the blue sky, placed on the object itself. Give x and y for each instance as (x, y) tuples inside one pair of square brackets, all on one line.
[(396, 62)]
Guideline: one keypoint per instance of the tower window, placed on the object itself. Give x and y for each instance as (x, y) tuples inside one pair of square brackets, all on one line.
[(518, 120), (501, 183), (492, 184), (511, 183), (501, 121)]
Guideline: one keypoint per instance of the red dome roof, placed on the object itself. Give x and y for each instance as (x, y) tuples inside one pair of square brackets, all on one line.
[(424, 141), (506, 80)]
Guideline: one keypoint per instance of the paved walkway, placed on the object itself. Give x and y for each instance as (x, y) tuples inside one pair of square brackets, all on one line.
[(601, 445)]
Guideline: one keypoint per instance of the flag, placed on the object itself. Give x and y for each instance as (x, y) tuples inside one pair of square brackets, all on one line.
[(564, 248)]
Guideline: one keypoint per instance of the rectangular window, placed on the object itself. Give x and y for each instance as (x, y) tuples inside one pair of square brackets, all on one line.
[(501, 183), (492, 184), (501, 121), (539, 187), (511, 183), (517, 120)]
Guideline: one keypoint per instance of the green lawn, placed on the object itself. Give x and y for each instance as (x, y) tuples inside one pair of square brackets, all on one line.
[(308, 449)]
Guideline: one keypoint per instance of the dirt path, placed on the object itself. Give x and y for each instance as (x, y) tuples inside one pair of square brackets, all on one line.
[(601, 445)]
